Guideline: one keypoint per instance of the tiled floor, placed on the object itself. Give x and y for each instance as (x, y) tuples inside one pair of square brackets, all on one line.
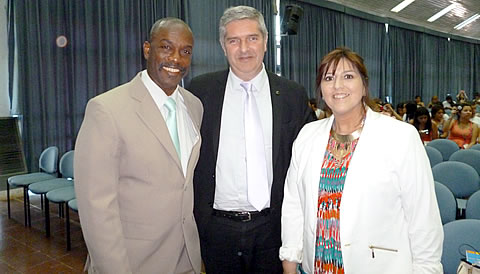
[(27, 250)]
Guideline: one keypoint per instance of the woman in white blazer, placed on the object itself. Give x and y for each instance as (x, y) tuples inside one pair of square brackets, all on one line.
[(384, 217)]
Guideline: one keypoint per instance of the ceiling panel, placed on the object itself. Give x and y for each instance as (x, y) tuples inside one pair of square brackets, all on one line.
[(419, 11)]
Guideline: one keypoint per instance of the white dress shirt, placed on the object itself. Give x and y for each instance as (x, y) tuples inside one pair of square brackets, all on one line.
[(231, 174), (187, 134)]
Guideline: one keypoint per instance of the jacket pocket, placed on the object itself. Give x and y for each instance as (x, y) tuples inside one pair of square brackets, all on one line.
[(374, 248)]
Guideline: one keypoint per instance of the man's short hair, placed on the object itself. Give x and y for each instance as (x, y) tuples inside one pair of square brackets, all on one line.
[(240, 13), (163, 22)]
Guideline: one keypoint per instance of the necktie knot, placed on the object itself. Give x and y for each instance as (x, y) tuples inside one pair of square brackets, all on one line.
[(247, 86), (171, 105)]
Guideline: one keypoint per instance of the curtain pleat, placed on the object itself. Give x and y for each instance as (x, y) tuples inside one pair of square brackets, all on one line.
[(49, 86), (104, 50)]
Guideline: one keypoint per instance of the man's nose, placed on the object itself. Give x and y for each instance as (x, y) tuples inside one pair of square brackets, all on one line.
[(243, 45)]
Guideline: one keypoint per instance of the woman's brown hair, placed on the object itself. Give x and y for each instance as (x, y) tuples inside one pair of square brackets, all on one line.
[(332, 59)]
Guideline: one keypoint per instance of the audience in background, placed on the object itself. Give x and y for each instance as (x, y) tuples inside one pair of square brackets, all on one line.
[(448, 103), (423, 123), (319, 114), (401, 110), (460, 129), (433, 102), (476, 113), (438, 120), (462, 97), (418, 101), (410, 108)]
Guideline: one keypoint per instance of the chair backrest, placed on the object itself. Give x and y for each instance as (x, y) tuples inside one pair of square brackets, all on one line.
[(446, 203), (66, 164), (460, 178), (473, 207), (459, 236), (434, 156), (470, 157), (476, 147), (445, 146), (49, 159)]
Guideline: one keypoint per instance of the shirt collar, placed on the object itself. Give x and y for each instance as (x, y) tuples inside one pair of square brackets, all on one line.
[(157, 92), (258, 81)]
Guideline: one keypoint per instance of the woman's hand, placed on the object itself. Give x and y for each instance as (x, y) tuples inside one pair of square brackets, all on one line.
[(289, 267)]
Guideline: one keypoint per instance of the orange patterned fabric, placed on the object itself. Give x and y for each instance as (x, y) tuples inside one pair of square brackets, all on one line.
[(328, 252)]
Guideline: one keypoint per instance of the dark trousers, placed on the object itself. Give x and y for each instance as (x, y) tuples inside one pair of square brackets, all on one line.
[(230, 246)]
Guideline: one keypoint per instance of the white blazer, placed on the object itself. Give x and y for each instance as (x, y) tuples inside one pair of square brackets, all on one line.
[(389, 217)]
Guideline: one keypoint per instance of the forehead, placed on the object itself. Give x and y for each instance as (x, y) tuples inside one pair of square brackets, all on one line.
[(175, 33), (242, 27), (342, 65)]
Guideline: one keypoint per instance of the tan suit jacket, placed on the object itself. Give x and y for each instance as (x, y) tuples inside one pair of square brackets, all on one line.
[(135, 204)]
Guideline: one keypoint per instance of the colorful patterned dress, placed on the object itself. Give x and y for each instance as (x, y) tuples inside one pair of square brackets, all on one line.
[(328, 253)]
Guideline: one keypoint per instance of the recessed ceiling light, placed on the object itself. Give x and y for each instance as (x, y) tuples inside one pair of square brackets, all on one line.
[(402, 5), (468, 21), (442, 12)]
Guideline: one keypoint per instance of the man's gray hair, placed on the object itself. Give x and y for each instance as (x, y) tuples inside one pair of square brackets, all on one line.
[(240, 13), (160, 23)]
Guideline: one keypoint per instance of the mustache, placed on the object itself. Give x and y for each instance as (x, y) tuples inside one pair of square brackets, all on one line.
[(172, 65)]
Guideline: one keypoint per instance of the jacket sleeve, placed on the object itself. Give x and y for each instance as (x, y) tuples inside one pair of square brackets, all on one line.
[(292, 215), (420, 206), (96, 178)]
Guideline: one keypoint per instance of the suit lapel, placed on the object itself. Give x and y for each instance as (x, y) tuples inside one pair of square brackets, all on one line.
[(149, 113), (215, 101), (196, 146), (277, 103)]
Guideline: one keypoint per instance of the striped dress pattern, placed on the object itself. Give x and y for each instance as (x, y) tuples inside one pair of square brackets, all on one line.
[(328, 253)]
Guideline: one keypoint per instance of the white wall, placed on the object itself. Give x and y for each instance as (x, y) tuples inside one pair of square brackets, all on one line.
[(4, 101)]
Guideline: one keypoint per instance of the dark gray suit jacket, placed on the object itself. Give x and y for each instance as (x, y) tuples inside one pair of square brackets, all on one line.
[(290, 113)]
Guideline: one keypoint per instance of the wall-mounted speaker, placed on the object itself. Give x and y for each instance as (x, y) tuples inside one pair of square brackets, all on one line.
[(291, 18)]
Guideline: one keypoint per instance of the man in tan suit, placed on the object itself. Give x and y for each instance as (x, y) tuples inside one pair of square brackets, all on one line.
[(134, 161)]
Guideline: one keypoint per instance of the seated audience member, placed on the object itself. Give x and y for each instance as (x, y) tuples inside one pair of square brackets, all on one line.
[(419, 102), (462, 97), (433, 101), (476, 113), (319, 114), (410, 108), (438, 119), (448, 103), (476, 97), (423, 123), (388, 110), (377, 104), (401, 109), (460, 129)]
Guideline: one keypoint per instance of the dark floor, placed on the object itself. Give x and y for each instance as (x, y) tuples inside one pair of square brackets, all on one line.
[(27, 250)]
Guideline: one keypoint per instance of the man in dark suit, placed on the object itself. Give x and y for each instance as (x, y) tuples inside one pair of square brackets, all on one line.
[(251, 118)]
